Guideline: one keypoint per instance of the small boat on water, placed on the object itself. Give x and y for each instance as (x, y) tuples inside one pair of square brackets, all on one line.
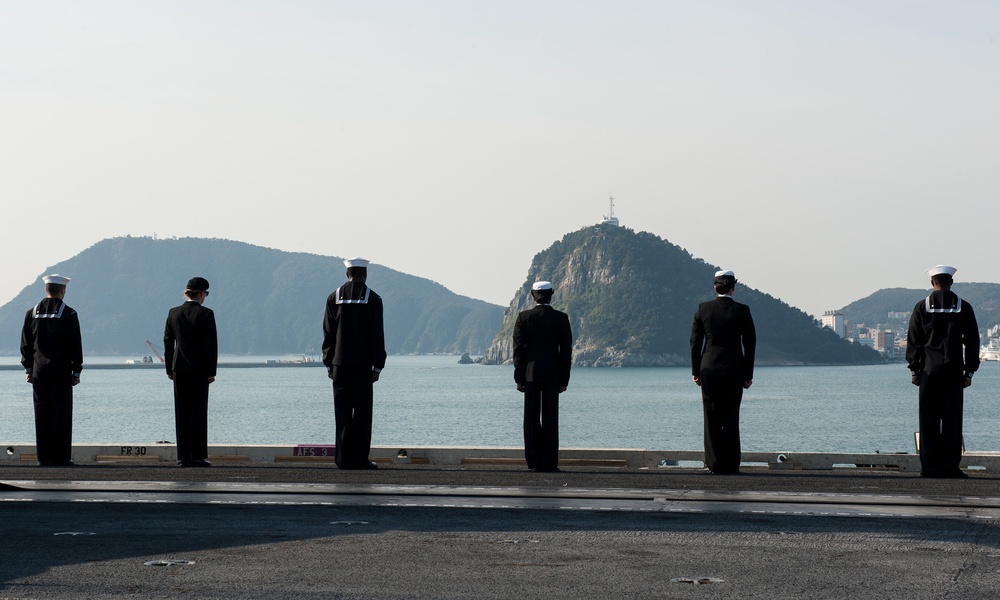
[(145, 360)]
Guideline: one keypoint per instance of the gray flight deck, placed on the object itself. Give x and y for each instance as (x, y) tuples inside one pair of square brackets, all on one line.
[(493, 531)]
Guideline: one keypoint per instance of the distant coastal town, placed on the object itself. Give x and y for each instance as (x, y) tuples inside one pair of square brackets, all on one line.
[(889, 338)]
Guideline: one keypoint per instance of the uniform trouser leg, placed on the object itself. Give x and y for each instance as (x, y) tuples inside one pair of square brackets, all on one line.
[(941, 403), (53, 420), (541, 426), (721, 396), (353, 399), (191, 415)]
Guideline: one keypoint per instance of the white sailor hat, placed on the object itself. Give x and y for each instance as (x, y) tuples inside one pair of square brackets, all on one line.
[(357, 261), (541, 285), (941, 270), (725, 274), (56, 278)]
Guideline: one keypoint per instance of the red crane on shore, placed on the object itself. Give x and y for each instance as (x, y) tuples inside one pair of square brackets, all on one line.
[(156, 351)]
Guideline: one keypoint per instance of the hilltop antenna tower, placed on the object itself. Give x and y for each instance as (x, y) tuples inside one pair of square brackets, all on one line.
[(610, 218)]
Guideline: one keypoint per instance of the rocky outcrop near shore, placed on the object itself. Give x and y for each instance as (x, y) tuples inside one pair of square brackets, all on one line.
[(631, 297)]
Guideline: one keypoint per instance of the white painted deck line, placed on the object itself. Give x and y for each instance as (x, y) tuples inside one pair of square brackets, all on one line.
[(457, 455)]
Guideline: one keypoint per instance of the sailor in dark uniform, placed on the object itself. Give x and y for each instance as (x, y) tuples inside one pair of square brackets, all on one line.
[(543, 349), (942, 351), (52, 356), (354, 355), (723, 343), (191, 355)]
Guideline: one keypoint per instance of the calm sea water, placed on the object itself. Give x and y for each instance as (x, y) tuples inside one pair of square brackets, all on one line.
[(432, 400)]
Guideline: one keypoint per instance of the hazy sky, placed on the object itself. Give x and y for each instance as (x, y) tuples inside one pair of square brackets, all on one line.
[(822, 150)]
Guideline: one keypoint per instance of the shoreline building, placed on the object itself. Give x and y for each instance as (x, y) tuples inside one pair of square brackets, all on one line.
[(885, 341), (835, 321)]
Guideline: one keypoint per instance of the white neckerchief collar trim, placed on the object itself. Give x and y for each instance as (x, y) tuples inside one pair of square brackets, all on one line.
[(58, 315), (957, 309)]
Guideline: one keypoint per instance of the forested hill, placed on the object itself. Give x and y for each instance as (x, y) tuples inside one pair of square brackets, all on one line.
[(266, 301), (874, 309), (631, 297)]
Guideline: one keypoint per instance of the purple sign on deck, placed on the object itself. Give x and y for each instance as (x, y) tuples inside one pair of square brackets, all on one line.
[(314, 450)]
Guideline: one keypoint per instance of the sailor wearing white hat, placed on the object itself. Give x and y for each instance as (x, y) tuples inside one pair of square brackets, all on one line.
[(543, 347), (52, 356), (354, 355), (56, 279), (942, 270), (357, 261), (723, 345), (942, 351)]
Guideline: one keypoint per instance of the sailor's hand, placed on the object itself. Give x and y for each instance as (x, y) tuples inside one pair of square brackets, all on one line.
[(696, 380), (374, 376), (28, 377), (75, 381), (747, 383), (915, 380), (520, 387), (211, 379), (966, 382)]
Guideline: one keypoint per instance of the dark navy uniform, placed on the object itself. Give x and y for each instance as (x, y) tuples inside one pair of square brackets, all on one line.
[(723, 345), (942, 348), (52, 356), (191, 354), (354, 353), (543, 347)]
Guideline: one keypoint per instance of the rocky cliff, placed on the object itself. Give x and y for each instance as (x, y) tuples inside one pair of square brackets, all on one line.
[(631, 297)]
